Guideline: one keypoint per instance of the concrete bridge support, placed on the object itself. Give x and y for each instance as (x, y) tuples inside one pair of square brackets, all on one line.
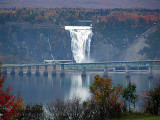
[(62, 73), (37, 73), (4, 71), (12, 71), (54, 71), (20, 71), (105, 74), (45, 73), (29, 71), (127, 72)]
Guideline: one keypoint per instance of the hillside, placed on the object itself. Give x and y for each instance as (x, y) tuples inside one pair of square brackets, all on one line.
[(24, 34)]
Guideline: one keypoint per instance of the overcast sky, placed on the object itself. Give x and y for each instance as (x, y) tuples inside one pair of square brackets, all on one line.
[(149, 4)]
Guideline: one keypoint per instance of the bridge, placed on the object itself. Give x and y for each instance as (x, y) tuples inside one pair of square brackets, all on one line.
[(80, 66)]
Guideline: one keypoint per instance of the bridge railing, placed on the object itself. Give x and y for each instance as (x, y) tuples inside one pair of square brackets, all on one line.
[(116, 64), (98, 65)]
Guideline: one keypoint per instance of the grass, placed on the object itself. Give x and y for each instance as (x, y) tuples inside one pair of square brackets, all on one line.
[(138, 116)]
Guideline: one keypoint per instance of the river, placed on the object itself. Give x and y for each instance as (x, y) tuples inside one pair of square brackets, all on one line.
[(47, 89)]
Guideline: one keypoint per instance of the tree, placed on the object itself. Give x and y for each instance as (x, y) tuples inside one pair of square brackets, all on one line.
[(151, 100), (129, 94), (105, 96), (9, 104)]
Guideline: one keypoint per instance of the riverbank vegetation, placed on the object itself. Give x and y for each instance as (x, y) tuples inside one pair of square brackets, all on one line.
[(9, 103), (107, 102)]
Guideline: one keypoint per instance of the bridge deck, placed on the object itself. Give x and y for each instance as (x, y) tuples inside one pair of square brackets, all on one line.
[(112, 64), (97, 65)]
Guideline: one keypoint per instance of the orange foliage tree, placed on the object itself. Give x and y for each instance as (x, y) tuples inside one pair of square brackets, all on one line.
[(9, 104), (106, 96)]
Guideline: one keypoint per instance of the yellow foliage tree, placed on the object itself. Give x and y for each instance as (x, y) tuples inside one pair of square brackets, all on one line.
[(105, 95), (103, 90)]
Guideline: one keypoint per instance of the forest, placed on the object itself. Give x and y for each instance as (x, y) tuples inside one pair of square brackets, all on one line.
[(60, 16)]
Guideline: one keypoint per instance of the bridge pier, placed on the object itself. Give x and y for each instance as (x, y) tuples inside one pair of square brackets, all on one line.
[(37, 73), (29, 71), (105, 74), (4, 71), (20, 71), (62, 73), (150, 75), (127, 72), (12, 71), (45, 73), (54, 71)]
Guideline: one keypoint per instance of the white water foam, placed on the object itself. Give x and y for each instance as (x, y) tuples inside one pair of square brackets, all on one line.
[(80, 42)]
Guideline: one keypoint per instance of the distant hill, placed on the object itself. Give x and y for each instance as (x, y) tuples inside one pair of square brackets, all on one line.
[(26, 34), (148, 4)]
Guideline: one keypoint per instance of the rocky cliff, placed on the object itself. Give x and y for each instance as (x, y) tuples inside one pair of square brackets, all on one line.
[(133, 52), (29, 43)]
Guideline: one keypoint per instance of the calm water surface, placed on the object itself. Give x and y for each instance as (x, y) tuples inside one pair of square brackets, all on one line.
[(46, 89)]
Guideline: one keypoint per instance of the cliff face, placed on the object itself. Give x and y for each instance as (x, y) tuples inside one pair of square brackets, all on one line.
[(28, 43), (21, 43), (134, 51), (101, 50)]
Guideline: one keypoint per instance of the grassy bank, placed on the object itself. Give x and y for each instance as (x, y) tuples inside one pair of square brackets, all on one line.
[(138, 116)]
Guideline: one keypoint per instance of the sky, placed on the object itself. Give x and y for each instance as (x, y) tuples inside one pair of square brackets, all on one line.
[(148, 4)]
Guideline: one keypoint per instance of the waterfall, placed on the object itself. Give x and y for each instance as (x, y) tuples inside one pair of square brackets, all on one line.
[(80, 42), (50, 48)]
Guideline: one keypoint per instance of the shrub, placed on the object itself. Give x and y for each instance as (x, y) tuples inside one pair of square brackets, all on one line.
[(61, 110), (151, 100), (31, 112)]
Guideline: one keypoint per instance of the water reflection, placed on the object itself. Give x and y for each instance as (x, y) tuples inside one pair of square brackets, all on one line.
[(128, 79), (79, 86), (39, 89)]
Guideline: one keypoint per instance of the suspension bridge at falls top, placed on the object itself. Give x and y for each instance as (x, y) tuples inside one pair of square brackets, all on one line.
[(63, 67)]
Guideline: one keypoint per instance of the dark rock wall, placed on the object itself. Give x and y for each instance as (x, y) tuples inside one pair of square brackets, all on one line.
[(28, 43)]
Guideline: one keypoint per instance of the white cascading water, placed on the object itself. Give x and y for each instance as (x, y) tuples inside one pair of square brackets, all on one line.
[(50, 48), (80, 42)]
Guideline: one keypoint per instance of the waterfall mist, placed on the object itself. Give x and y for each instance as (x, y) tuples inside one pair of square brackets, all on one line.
[(80, 42)]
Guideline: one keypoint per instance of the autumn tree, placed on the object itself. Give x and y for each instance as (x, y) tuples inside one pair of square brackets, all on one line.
[(9, 104), (129, 94), (106, 96), (151, 100)]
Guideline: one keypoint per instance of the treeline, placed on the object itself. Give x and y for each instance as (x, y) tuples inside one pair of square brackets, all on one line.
[(140, 16)]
